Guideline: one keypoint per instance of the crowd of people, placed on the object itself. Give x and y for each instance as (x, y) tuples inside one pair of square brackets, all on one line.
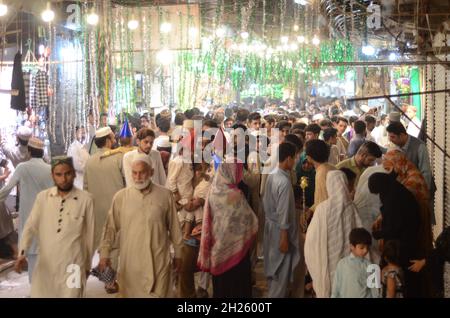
[(317, 195)]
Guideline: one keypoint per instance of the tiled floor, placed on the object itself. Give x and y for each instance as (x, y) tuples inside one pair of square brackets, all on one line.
[(13, 285)]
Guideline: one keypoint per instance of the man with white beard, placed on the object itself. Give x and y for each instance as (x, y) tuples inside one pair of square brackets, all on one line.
[(146, 218), (145, 139), (80, 155)]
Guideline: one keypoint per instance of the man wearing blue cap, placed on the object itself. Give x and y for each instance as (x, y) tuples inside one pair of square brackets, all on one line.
[(125, 140)]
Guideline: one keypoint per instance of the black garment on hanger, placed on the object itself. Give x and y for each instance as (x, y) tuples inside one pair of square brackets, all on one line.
[(17, 82)]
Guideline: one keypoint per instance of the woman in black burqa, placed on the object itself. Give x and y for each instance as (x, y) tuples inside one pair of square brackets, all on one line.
[(400, 221)]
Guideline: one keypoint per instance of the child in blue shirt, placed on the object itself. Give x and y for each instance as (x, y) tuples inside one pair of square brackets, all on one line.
[(352, 272)]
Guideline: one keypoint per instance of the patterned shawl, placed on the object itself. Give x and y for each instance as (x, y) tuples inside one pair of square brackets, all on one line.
[(408, 175), (229, 224)]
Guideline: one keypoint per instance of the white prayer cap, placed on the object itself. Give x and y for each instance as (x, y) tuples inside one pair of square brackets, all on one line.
[(304, 120), (24, 133), (163, 142), (317, 117), (36, 143), (102, 132), (364, 108), (112, 121), (394, 117), (142, 158), (349, 113)]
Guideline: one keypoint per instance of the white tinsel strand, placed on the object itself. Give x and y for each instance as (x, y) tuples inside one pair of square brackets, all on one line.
[(92, 59), (120, 91), (50, 113), (63, 106), (85, 71), (107, 38), (264, 20), (80, 109), (112, 88), (282, 15), (54, 80), (63, 109), (145, 51), (52, 85), (246, 13), (130, 77), (68, 102), (81, 106)]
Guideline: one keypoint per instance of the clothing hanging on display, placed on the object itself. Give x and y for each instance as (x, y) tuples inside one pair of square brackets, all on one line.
[(39, 97), (17, 83)]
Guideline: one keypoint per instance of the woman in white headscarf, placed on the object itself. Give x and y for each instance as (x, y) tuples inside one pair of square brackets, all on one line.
[(327, 238), (368, 205)]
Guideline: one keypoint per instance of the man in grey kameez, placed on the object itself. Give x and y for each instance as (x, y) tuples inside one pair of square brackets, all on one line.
[(281, 243), (32, 177)]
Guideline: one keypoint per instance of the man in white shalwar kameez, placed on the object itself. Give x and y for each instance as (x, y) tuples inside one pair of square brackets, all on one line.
[(369, 205), (62, 220), (146, 218), (32, 177), (78, 151), (327, 237), (145, 138)]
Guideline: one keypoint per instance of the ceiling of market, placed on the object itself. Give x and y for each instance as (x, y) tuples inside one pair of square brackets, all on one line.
[(404, 21)]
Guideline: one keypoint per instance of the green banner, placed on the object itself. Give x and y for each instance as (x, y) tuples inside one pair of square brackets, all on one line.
[(415, 88)]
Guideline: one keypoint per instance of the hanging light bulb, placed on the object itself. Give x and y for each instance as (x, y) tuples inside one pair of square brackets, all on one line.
[(164, 56), (284, 39), (48, 15), (316, 40), (301, 39), (368, 50), (41, 49), (133, 24), (296, 28), (221, 32), (244, 35), (193, 32), (294, 47), (92, 18), (3, 9), (166, 27), (392, 56)]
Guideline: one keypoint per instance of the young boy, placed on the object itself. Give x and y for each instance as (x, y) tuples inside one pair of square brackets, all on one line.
[(202, 183), (350, 278)]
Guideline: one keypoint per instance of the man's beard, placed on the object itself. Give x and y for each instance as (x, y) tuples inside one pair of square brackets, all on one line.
[(67, 189), (143, 185)]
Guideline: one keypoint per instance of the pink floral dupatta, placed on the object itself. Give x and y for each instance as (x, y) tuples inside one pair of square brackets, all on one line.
[(229, 224)]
